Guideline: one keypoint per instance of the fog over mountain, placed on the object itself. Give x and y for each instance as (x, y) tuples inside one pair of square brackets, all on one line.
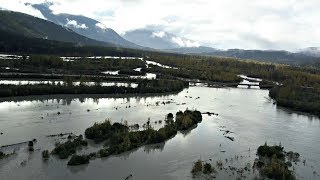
[(311, 51)]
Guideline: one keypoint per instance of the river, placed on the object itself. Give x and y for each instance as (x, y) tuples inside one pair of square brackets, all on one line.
[(248, 113)]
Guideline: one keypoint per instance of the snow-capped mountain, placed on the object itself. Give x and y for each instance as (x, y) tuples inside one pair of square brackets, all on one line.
[(158, 39), (83, 25)]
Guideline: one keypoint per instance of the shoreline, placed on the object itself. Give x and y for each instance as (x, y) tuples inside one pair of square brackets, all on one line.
[(74, 96)]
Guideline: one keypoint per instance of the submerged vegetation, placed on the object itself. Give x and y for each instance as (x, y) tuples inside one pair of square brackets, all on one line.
[(201, 167), (2, 155), (64, 150), (118, 137), (45, 154), (78, 160), (197, 167), (273, 163)]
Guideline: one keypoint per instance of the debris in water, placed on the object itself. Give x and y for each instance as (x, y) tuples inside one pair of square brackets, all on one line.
[(60, 134), (231, 138)]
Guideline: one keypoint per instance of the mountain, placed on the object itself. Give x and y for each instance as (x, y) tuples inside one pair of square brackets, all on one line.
[(193, 50), (83, 25), (158, 39), (30, 26), (274, 56), (311, 51)]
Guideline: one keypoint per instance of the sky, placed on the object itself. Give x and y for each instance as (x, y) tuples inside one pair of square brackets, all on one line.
[(224, 24)]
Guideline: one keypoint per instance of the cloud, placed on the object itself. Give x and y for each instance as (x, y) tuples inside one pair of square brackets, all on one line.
[(20, 6), (75, 24), (101, 26), (159, 34), (249, 24), (184, 42)]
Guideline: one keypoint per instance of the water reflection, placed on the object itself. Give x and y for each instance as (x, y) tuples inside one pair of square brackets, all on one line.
[(186, 132)]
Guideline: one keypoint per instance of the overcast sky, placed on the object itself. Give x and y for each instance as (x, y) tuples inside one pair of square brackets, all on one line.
[(245, 24)]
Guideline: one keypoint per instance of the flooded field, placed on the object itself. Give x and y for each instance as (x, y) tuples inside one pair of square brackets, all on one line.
[(248, 114)]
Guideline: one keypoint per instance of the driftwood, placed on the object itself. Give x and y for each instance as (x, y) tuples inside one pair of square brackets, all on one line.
[(210, 113)]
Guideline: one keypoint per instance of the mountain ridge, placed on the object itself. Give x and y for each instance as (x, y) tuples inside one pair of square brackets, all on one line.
[(276, 56)]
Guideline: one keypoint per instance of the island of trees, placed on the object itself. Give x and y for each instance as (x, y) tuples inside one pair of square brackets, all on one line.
[(119, 138)]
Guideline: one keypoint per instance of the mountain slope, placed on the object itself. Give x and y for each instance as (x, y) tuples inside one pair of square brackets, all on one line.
[(13, 43), (83, 25), (29, 26), (157, 39)]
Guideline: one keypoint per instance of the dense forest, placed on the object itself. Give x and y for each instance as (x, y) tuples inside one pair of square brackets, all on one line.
[(297, 98), (82, 66)]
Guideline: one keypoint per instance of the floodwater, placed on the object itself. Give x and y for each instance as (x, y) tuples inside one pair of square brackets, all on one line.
[(248, 113)]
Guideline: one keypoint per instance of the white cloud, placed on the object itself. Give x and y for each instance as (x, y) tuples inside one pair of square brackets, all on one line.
[(159, 34), (101, 26), (21, 7), (75, 24), (178, 41), (249, 24), (184, 42), (189, 43)]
